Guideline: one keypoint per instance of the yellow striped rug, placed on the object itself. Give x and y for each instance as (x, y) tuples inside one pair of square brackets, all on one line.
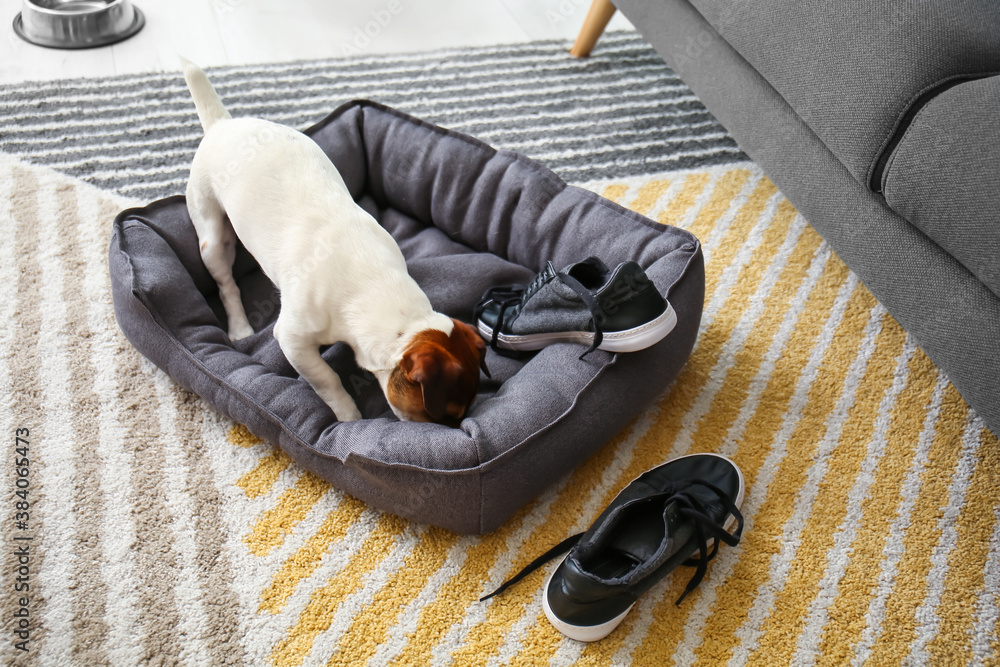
[(160, 533)]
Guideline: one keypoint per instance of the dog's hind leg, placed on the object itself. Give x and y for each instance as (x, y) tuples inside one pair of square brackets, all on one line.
[(217, 242)]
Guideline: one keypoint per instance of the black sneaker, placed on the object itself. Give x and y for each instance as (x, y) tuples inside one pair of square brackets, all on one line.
[(656, 523), (619, 311)]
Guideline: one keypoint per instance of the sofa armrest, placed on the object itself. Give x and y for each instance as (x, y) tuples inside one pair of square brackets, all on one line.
[(944, 176), (855, 70)]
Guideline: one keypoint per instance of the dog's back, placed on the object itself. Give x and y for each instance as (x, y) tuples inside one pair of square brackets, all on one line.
[(282, 195)]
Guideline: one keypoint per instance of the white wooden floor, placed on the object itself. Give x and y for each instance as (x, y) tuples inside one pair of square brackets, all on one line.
[(237, 32)]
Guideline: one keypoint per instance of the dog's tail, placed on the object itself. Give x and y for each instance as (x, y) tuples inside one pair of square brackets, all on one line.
[(206, 100)]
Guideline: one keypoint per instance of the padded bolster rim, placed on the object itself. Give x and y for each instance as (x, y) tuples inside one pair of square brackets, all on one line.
[(484, 484), (540, 170)]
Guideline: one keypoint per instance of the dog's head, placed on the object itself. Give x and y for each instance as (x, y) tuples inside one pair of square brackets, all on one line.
[(438, 376)]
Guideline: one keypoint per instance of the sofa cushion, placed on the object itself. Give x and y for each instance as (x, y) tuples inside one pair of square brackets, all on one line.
[(944, 176), (466, 217), (853, 69)]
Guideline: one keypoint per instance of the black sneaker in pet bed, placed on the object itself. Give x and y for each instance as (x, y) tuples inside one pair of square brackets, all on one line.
[(659, 521), (619, 311)]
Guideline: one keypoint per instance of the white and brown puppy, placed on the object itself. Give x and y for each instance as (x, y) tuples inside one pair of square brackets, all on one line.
[(341, 276)]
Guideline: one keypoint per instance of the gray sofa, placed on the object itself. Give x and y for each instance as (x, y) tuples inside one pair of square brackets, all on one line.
[(880, 121)]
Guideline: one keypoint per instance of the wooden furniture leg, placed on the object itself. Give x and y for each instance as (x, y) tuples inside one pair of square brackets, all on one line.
[(598, 15)]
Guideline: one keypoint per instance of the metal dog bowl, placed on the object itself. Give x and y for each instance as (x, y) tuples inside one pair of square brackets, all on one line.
[(77, 24)]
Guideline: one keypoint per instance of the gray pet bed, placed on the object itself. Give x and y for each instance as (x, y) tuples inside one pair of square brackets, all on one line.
[(467, 217)]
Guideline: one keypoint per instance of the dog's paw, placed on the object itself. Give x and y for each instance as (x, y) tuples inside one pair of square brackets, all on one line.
[(347, 413), (240, 332)]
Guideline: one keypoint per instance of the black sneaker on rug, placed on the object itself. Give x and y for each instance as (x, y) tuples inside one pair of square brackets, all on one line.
[(659, 521), (617, 311)]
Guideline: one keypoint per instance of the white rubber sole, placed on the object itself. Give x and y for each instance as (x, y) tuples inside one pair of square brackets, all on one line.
[(581, 633), (630, 340), (592, 633)]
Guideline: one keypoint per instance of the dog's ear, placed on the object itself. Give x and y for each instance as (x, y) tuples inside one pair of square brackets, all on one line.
[(482, 358), (481, 348), (429, 366), (476, 341)]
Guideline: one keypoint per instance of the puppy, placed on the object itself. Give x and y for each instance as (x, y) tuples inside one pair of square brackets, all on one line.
[(341, 276)]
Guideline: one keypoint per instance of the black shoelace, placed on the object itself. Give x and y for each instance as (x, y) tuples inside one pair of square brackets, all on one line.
[(690, 508), (513, 298)]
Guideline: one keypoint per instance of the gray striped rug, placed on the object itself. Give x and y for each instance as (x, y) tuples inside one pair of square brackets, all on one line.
[(622, 112)]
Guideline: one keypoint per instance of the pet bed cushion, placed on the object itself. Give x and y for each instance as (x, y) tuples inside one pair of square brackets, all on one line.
[(466, 217)]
